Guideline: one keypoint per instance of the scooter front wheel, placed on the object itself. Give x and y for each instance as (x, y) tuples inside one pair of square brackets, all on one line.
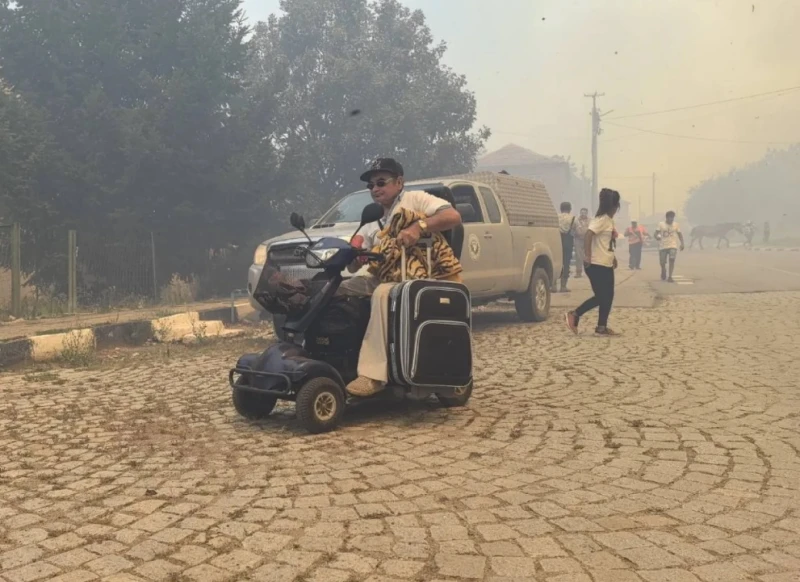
[(320, 405)]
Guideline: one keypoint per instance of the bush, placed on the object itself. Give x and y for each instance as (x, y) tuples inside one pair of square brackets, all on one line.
[(180, 290)]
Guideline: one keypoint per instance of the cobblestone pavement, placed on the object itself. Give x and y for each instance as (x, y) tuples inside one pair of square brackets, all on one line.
[(667, 455)]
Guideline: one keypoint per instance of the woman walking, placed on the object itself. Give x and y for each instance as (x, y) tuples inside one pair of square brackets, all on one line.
[(600, 262)]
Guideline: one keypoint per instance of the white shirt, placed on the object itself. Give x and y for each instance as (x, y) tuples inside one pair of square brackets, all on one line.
[(414, 200), (603, 241), (669, 235), (566, 222)]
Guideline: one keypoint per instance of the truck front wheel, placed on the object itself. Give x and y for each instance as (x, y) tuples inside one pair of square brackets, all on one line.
[(534, 304)]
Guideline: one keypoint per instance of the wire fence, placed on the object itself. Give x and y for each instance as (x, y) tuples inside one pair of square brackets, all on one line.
[(91, 272), (5, 268), (112, 273)]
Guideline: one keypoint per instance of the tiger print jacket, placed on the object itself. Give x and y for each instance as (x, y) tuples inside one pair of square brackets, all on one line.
[(445, 265)]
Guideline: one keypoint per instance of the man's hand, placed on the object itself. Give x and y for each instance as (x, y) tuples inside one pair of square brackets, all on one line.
[(615, 262), (410, 236), (682, 247), (357, 263)]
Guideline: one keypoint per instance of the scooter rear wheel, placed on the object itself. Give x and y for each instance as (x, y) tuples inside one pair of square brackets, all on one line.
[(251, 405), (320, 405)]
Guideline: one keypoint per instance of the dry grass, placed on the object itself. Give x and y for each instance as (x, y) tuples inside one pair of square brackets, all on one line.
[(180, 290)]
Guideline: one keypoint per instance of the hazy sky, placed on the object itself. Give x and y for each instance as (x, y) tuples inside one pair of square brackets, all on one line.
[(530, 62)]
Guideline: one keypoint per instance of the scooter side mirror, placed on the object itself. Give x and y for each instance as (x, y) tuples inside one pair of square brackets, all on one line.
[(371, 213), (297, 221)]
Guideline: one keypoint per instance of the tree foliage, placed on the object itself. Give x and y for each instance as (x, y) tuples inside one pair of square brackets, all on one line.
[(358, 80), (125, 117), (761, 191)]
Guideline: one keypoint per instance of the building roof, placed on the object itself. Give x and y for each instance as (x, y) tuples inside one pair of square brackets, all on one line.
[(513, 155)]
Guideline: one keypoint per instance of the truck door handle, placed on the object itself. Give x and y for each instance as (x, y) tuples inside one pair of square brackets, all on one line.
[(487, 235)]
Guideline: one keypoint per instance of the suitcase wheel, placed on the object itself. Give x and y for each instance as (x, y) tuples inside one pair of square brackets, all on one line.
[(457, 398)]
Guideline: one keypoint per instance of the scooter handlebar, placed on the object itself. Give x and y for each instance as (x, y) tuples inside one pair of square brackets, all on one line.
[(374, 256)]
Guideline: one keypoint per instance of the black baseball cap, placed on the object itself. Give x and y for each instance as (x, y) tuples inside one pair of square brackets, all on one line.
[(383, 165)]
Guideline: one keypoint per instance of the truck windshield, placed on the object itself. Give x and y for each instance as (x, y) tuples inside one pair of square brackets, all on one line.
[(349, 208)]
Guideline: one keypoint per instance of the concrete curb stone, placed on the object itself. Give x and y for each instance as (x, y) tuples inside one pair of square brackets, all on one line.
[(131, 333)]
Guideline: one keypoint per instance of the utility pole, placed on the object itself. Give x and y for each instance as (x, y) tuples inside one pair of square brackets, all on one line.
[(595, 132), (654, 193), (583, 184)]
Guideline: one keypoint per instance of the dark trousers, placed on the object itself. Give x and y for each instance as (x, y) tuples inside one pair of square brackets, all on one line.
[(567, 242), (636, 256), (602, 280)]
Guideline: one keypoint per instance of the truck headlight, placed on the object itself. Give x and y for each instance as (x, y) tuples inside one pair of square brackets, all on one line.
[(260, 256)]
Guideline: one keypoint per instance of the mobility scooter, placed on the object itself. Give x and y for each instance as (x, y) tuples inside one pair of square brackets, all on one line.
[(319, 355)]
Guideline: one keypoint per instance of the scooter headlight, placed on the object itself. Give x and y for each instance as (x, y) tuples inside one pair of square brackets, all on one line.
[(315, 258)]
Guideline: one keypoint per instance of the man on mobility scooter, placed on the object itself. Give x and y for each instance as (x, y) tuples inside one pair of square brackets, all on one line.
[(385, 181), (413, 334)]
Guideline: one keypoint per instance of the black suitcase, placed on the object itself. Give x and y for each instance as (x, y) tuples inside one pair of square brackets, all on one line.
[(430, 333)]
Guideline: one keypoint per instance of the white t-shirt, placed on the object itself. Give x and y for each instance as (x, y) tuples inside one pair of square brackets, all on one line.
[(603, 241), (414, 200), (669, 235), (566, 223)]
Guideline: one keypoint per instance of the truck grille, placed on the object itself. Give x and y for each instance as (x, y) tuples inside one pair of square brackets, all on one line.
[(286, 255)]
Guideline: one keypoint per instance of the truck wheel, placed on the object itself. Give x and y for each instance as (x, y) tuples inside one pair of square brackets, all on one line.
[(320, 405), (251, 405), (460, 398), (534, 304)]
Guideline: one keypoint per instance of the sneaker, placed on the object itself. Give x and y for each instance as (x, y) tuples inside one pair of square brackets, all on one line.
[(663, 275), (363, 386), (670, 280), (605, 331), (572, 321)]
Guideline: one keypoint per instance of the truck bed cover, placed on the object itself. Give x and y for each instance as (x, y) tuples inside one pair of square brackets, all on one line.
[(526, 201)]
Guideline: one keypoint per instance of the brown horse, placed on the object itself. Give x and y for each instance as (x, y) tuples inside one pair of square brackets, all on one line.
[(718, 231)]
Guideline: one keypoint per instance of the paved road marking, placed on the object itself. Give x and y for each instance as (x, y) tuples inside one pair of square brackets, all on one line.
[(795, 273), (681, 280)]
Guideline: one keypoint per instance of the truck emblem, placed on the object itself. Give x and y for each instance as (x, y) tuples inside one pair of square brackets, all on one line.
[(298, 251), (474, 247)]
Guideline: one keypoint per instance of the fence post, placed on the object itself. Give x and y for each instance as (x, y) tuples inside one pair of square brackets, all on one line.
[(155, 281), (72, 275), (16, 271)]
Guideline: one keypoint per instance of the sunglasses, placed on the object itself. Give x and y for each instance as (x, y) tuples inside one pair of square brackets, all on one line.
[(380, 183)]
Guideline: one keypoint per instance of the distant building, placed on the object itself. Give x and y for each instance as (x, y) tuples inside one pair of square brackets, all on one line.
[(558, 177), (556, 173)]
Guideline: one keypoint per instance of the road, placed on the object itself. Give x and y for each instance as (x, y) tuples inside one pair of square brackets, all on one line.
[(733, 270), (671, 454)]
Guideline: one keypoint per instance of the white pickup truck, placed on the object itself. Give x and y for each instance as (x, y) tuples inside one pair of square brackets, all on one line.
[(511, 248)]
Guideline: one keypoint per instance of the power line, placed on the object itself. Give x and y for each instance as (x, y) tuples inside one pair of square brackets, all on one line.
[(708, 104), (715, 139), (538, 136)]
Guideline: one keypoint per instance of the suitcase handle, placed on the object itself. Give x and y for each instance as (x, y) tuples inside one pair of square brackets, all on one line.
[(403, 272)]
